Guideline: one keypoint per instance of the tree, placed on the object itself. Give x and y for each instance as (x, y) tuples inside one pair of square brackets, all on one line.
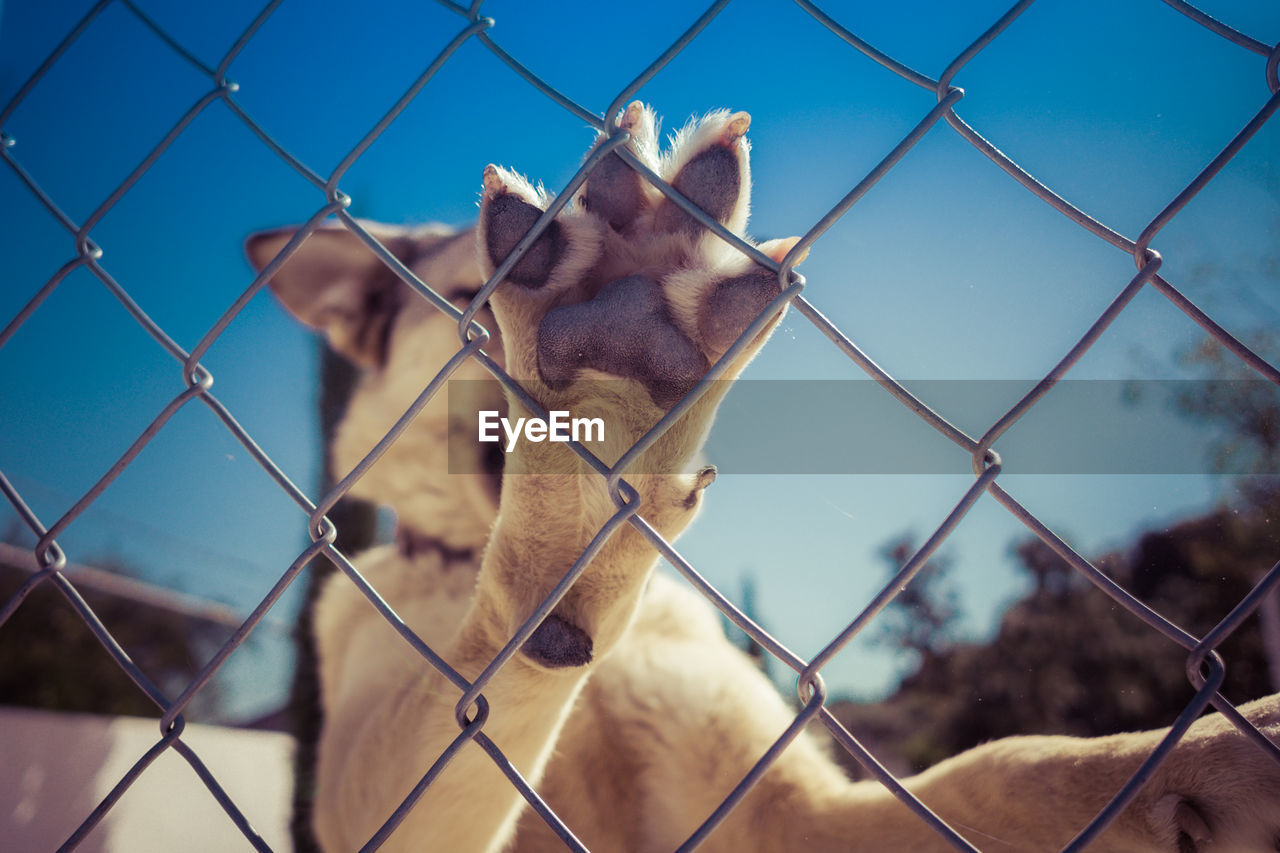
[(921, 618), (1066, 659), (1232, 395), (50, 659)]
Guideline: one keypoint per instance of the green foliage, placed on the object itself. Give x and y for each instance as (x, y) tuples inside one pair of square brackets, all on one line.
[(921, 618), (50, 659), (1067, 659)]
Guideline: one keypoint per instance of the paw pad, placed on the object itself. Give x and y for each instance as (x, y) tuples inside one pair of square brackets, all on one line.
[(558, 644), (616, 193), (510, 218), (624, 331), (733, 304)]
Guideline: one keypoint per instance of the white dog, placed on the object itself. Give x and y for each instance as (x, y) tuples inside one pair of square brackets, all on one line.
[(627, 708)]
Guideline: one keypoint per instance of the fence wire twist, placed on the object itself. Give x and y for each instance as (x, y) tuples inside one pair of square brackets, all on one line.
[(1205, 668)]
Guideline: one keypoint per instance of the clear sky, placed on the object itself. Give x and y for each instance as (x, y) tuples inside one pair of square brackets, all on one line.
[(946, 270)]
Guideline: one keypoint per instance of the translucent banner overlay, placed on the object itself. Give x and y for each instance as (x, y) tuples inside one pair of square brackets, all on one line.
[(857, 427)]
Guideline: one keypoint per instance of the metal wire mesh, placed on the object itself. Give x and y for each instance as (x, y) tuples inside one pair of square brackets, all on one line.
[(1203, 664)]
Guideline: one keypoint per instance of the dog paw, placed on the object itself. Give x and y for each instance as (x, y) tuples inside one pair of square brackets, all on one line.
[(1218, 791), (624, 284)]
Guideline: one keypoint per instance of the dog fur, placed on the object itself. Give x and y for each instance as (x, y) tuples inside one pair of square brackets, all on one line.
[(628, 709)]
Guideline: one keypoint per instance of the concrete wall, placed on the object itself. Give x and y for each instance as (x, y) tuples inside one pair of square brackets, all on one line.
[(56, 768)]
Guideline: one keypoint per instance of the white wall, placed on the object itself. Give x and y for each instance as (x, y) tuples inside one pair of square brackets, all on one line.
[(55, 769)]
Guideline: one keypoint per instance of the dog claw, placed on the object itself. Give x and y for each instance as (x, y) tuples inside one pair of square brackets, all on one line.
[(493, 183), (706, 477), (631, 116), (779, 249), (736, 127)]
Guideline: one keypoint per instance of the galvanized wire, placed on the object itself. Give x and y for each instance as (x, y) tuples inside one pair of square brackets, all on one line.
[(472, 709)]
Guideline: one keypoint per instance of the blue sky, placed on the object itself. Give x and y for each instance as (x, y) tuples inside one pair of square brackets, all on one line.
[(947, 269)]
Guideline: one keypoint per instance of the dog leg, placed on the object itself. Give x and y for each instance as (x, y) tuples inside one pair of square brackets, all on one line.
[(616, 310), (681, 691)]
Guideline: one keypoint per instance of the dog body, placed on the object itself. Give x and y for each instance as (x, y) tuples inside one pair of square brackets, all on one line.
[(627, 707)]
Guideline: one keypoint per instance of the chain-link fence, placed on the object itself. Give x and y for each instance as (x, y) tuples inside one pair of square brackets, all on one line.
[(1204, 665)]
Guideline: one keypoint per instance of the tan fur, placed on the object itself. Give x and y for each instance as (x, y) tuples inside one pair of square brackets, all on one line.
[(635, 749)]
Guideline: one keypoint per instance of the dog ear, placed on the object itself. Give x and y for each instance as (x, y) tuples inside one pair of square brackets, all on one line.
[(334, 283)]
